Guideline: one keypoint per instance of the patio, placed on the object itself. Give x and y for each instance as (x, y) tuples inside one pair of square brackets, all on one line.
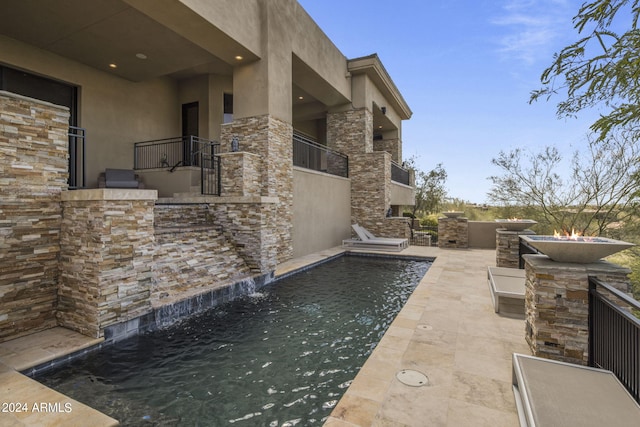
[(448, 331)]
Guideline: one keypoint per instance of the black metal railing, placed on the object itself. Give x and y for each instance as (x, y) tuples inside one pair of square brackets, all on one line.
[(172, 153), (424, 236), (311, 155), (525, 249), (614, 334), (399, 174), (210, 174), (77, 170)]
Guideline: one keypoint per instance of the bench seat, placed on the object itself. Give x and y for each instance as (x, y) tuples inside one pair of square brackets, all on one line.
[(507, 289)]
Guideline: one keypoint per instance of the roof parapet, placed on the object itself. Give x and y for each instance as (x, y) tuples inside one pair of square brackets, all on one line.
[(373, 68)]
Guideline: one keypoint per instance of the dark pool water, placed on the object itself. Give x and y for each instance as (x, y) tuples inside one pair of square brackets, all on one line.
[(282, 356)]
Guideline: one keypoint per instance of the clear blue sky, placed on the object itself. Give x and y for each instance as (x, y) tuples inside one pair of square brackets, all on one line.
[(466, 69)]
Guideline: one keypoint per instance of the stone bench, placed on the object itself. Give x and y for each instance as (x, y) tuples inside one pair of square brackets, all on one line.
[(507, 289), (550, 393)]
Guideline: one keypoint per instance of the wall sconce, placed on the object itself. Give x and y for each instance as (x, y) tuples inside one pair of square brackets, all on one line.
[(384, 110), (235, 144)]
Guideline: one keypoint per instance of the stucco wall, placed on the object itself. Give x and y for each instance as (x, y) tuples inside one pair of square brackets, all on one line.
[(482, 234), (321, 211), (115, 112)]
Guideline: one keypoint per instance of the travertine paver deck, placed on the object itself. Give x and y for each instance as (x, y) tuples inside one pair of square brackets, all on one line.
[(447, 330), (26, 402)]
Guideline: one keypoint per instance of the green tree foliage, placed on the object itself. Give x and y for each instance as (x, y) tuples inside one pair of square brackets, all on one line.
[(601, 189), (430, 190), (602, 68)]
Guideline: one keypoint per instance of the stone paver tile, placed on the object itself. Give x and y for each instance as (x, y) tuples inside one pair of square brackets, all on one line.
[(369, 387), (467, 414), (484, 365), (415, 406), (356, 410), (482, 391)]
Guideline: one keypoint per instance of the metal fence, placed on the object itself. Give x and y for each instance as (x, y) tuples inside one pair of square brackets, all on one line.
[(210, 174), (424, 236), (399, 174), (172, 152), (525, 249), (311, 155), (77, 171), (614, 334)]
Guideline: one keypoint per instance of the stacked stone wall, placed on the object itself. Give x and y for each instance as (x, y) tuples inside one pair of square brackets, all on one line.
[(508, 247), (453, 233), (106, 259), (33, 173), (557, 305), (191, 255), (249, 226), (240, 175), (271, 140), (370, 190), (350, 132), (391, 146)]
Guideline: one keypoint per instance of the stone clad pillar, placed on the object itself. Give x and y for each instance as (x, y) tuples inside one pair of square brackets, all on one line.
[(453, 233), (557, 305), (106, 258), (33, 173), (508, 247)]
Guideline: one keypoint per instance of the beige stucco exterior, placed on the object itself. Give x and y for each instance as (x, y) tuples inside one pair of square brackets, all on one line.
[(321, 211), (281, 69)]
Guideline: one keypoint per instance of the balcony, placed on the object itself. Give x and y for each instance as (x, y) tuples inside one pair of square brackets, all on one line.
[(309, 154)]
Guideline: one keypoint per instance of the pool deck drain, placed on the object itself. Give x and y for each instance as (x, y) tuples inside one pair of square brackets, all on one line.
[(412, 378)]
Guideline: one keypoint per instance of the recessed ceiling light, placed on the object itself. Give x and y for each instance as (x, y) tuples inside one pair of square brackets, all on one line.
[(379, 127), (239, 58), (112, 65), (301, 97), (141, 56)]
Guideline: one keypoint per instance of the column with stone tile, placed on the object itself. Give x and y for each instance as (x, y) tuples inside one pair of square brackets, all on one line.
[(557, 305), (33, 173), (106, 258)]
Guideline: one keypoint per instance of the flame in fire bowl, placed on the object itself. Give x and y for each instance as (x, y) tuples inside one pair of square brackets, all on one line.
[(577, 249)]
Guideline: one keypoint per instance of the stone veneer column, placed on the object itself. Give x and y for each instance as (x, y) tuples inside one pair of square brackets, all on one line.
[(271, 140), (350, 132), (508, 247), (557, 305), (240, 175), (391, 146), (370, 175), (106, 258), (453, 232), (33, 173)]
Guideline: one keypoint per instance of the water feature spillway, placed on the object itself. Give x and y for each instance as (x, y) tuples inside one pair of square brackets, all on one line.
[(283, 356)]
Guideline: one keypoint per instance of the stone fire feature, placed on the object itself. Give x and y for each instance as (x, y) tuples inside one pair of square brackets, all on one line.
[(453, 232), (557, 305)]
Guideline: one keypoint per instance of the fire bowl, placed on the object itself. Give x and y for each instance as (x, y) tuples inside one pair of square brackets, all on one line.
[(516, 224), (581, 250), (453, 214)]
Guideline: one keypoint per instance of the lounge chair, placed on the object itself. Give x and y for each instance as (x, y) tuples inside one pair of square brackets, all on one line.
[(507, 289), (367, 240)]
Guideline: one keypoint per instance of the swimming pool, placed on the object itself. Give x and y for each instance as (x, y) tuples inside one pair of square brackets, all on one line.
[(281, 356)]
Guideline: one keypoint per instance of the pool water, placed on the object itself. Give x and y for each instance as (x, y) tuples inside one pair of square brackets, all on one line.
[(282, 356)]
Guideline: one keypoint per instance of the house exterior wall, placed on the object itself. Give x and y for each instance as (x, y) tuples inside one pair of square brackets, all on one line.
[(33, 173), (116, 112), (321, 211)]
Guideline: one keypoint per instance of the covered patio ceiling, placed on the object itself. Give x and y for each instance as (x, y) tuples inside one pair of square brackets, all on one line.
[(114, 36)]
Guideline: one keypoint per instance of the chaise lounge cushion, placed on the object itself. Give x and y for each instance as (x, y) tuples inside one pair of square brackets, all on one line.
[(120, 178)]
